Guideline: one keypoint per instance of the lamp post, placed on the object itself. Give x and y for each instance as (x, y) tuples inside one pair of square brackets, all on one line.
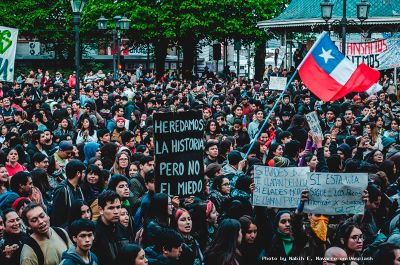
[(237, 47), (362, 14), (122, 23), (77, 7)]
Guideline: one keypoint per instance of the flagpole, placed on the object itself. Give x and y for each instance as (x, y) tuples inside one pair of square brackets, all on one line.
[(269, 113), (283, 92)]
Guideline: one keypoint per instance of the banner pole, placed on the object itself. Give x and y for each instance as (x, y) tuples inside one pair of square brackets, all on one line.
[(395, 79), (269, 113)]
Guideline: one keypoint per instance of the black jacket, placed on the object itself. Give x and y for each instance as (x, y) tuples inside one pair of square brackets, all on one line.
[(152, 229), (63, 196), (9, 240), (108, 241), (156, 258)]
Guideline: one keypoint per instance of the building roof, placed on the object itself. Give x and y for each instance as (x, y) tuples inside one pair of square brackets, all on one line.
[(303, 15)]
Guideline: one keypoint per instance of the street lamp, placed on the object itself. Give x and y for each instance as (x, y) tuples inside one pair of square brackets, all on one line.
[(362, 14), (122, 23), (77, 7)]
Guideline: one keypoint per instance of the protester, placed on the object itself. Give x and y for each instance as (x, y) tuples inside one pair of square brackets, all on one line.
[(131, 254), (110, 234), (46, 244), (82, 233)]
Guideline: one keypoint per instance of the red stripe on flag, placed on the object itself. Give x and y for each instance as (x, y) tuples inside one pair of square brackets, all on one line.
[(318, 81), (361, 80)]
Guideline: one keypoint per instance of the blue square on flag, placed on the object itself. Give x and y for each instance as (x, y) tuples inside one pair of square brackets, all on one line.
[(330, 75)]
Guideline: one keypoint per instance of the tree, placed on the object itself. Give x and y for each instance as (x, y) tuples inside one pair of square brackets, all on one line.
[(47, 21)]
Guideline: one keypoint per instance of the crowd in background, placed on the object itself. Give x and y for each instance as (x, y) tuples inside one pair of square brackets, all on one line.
[(77, 183)]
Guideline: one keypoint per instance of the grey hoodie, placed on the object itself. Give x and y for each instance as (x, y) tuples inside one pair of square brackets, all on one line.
[(71, 257)]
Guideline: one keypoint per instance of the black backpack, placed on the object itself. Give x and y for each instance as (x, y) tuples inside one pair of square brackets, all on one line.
[(36, 248)]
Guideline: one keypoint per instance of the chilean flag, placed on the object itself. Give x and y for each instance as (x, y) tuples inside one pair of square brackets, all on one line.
[(330, 75)]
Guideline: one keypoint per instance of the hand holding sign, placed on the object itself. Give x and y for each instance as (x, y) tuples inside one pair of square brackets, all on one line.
[(336, 193), (318, 140), (313, 122)]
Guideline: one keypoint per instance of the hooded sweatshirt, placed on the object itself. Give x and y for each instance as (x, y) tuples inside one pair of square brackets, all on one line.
[(71, 257), (156, 258)]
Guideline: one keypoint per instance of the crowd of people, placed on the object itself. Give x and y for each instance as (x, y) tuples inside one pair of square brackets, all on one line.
[(77, 182)]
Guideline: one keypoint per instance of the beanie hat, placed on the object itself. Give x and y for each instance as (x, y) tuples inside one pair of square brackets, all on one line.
[(102, 132), (345, 148), (387, 141), (280, 161), (18, 202), (120, 119), (234, 157)]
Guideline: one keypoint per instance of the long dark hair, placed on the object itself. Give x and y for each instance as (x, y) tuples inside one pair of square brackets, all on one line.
[(96, 170), (108, 153), (159, 208), (344, 232), (217, 127), (128, 254), (198, 212), (223, 248), (40, 180), (272, 148), (75, 212), (91, 124)]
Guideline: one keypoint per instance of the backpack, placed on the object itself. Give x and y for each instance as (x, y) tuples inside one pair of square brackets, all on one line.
[(36, 248)]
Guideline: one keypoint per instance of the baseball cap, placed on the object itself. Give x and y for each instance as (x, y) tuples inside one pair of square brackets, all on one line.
[(65, 146)]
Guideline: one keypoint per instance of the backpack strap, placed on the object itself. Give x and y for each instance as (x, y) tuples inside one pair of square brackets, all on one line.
[(61, 234), (36, 248)]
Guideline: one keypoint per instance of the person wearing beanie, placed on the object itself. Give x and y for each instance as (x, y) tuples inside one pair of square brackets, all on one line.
[(104, 136), (234, 168), (344, 151), (388, 142), (116, 133)]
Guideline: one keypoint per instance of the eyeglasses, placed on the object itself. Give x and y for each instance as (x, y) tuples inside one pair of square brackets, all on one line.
[(357, 237)]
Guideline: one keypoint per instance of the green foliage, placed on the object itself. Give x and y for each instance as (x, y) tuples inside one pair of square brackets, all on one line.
[(182, 22)]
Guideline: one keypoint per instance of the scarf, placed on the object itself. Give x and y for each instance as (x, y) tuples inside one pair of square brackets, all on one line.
[(287, 241), (94, 191), (126, 204), (320, 226)]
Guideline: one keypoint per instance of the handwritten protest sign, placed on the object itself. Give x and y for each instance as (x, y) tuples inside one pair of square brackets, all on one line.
[(8, 48), (313, 122), (277, 83), (379, 54), (178, 144), (336, 193), (279, 187)]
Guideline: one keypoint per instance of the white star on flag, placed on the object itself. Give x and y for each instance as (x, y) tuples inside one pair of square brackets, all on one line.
[(326, 55)]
